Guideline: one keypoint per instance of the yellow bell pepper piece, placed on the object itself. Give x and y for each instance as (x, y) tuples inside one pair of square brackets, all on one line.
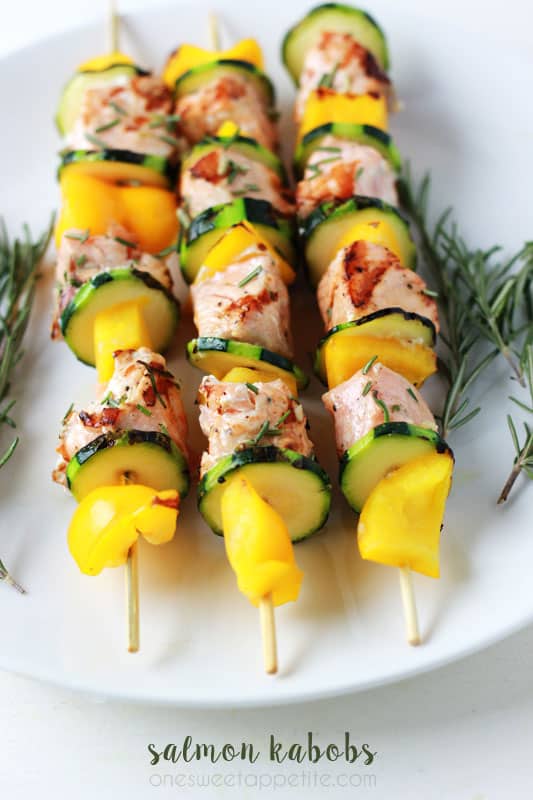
[(258, 545), (228, 129), (109, 520), (90, 204), (325, 105), (120, 327), (99, 63), (401, 520), (346, 353), (248, 375), (189, 56), (235, 241), (378, 232)]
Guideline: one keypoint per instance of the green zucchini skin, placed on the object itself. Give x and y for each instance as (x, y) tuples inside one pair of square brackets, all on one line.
[(102, 451), (425, 327), (81, 80), (333, 17), (194, 78), (363, 134), (272, 457), (119, 276), (201, 234), (251, 352), (317, 225), (241, 144), (159, 165), (359, 470)]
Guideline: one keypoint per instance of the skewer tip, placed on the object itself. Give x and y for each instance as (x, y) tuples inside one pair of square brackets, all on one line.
[(268, 632)]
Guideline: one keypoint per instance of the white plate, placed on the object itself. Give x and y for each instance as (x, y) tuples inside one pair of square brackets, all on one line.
[(200, 637)]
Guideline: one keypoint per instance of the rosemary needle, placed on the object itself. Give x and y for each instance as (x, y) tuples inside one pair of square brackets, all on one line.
[(19, 261)]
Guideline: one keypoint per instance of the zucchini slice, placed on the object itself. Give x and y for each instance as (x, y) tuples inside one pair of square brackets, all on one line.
[(247, 147), (218, 356), (328, 223), (362, 134), (208, 227), (110, 288), (388, 324), (381, 450), (149, 457), (197, 77), (295, 485), (335, 18), (72, 95), (121, 167)]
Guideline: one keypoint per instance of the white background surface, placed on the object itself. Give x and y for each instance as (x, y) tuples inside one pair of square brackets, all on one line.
[(461, 732)]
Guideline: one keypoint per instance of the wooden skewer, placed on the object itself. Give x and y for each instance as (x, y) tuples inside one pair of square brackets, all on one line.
[(268, 633), (214, 35), (113, 27), (132, 589), (409, 606), (132, 597)]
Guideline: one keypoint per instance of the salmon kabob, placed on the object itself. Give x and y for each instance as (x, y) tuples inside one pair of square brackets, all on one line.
[(260, 484), (124, 454), (380, 318)]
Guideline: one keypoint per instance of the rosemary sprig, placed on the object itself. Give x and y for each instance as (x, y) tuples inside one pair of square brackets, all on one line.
[(479, 297), (19, 261), (523, 461)]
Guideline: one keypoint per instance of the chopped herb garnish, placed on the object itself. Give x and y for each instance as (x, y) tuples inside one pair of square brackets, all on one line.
[(117, 108), (79, 237), (369, 364), (67, 413), (164, 120), (379, 402), (164, 429), (171, 140), (96, 141), (430, 293), (150, 370), (109, 400), (326, 81), (359, 172), (107, 126), (251, 275), (172, 248), (250, 187), (233, 170), (266, 430), (367, 389), (396, 407), (81, 260), (316, 168), (412, 394), (328, 149), (144, 410), (252, 387), (125, 242)]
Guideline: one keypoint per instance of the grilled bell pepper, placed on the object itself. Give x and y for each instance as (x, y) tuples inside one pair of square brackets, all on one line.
[(401, 520), (189, 56), (249, 375), (258, 545), (100, 63), (378, 232), (235, 241), (109, 520), (324, 106), (120, 327), (91, 204), (346, 354)]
